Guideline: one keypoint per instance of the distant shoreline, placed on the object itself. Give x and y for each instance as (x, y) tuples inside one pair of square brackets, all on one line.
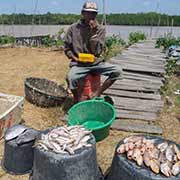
[(142, 19)]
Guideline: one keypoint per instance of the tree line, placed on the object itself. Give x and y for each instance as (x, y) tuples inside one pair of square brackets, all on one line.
[(143, 19)]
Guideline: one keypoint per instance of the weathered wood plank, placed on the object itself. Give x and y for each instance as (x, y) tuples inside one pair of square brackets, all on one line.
[(142, 79), (148, 76), (145, 51), (143, 102), (139, 60), (139, 95), (136, 127), (142, 108), (133, 88), (148, 85), (144, 56), (138, 68), (125, 114), (123, 62)]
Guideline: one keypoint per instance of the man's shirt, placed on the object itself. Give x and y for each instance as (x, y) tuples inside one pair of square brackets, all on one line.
[(80, 39)]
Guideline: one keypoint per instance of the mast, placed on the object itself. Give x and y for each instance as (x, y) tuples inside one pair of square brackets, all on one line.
[(104, 15)]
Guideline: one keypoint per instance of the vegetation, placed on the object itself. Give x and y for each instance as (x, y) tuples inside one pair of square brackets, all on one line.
[(166, 41), (6, 40), (56, 40), (113, 45), (146, 19), (134, 37), (171, 82)]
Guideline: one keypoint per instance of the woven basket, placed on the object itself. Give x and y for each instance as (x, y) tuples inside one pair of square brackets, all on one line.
[(43, 92)]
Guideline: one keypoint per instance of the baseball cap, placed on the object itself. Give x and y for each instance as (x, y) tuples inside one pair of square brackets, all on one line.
[(90, 6)]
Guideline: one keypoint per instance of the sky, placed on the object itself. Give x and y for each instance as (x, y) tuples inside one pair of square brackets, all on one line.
[(171, 7)]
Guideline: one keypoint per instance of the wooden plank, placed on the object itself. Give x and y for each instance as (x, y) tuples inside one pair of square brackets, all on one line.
[(142, 79), (138, 83), (142, 102), (139, 95), (125, 114), (136, 63), (130, 53), (138, 68), (139, 107), (143, 51), (133, 88), (151, 76), (139, 60), (136, 127)]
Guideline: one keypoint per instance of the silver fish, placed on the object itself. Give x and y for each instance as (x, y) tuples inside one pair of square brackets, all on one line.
[(27, 136), (176, 169), (169, 154), (163, 146), (14, 131), (166, 168)]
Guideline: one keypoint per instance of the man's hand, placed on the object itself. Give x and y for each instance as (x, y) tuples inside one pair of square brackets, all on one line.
[(74, 58), (93, 25)]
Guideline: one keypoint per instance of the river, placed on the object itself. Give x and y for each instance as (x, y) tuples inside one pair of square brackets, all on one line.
[(123, 31)]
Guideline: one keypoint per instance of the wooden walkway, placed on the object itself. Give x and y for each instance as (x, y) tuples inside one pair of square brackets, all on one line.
[(137, 96)]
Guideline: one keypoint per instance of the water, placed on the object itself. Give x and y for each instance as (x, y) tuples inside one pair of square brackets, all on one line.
[(123, 31), (93, 124)]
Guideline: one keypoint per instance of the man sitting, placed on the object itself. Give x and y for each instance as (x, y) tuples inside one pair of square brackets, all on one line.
[(87, 36)]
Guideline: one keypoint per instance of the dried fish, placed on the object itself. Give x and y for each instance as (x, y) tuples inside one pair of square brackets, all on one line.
[(146, 158), (121, 149), (65, 139), (169, 153), (163, 146), (139, 160), (130, 154), (176, 169), (166, 169), (136, 154), (155, 165), (163, 157)]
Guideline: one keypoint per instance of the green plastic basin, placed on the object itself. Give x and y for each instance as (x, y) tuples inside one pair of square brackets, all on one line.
[(96, 115)]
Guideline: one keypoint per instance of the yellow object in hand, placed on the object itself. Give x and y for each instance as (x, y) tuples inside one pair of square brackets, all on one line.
[(85, 57)]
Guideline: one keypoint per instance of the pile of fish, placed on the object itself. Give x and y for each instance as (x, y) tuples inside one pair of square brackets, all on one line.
[(21, 133), (65, 139), (164, 157)]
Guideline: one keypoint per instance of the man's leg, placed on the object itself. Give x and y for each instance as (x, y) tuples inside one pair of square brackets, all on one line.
[(74, 75), (113, 72)]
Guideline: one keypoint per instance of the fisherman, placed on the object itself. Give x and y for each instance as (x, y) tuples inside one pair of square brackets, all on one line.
[(87, 36)]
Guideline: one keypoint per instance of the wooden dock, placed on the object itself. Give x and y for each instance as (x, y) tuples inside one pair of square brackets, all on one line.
[(137, 97)]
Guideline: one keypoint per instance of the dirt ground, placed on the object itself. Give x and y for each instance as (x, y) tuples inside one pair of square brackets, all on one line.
[(18, 63)]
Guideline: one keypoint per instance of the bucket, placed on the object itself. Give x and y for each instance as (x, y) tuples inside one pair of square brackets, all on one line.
[(124, 169), (90, 84), (82, 165), (96, 115), (18, 160)]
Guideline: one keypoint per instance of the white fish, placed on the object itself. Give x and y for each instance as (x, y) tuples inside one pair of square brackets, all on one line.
[(14, 131)]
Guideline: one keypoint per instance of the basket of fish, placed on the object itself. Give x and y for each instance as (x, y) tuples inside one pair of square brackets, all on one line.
[(64, 153), (18, 151), (145, 158), (44, 93)]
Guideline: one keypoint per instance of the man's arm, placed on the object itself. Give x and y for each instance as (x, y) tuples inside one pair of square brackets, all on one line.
[(97, 40), (68, 49)]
